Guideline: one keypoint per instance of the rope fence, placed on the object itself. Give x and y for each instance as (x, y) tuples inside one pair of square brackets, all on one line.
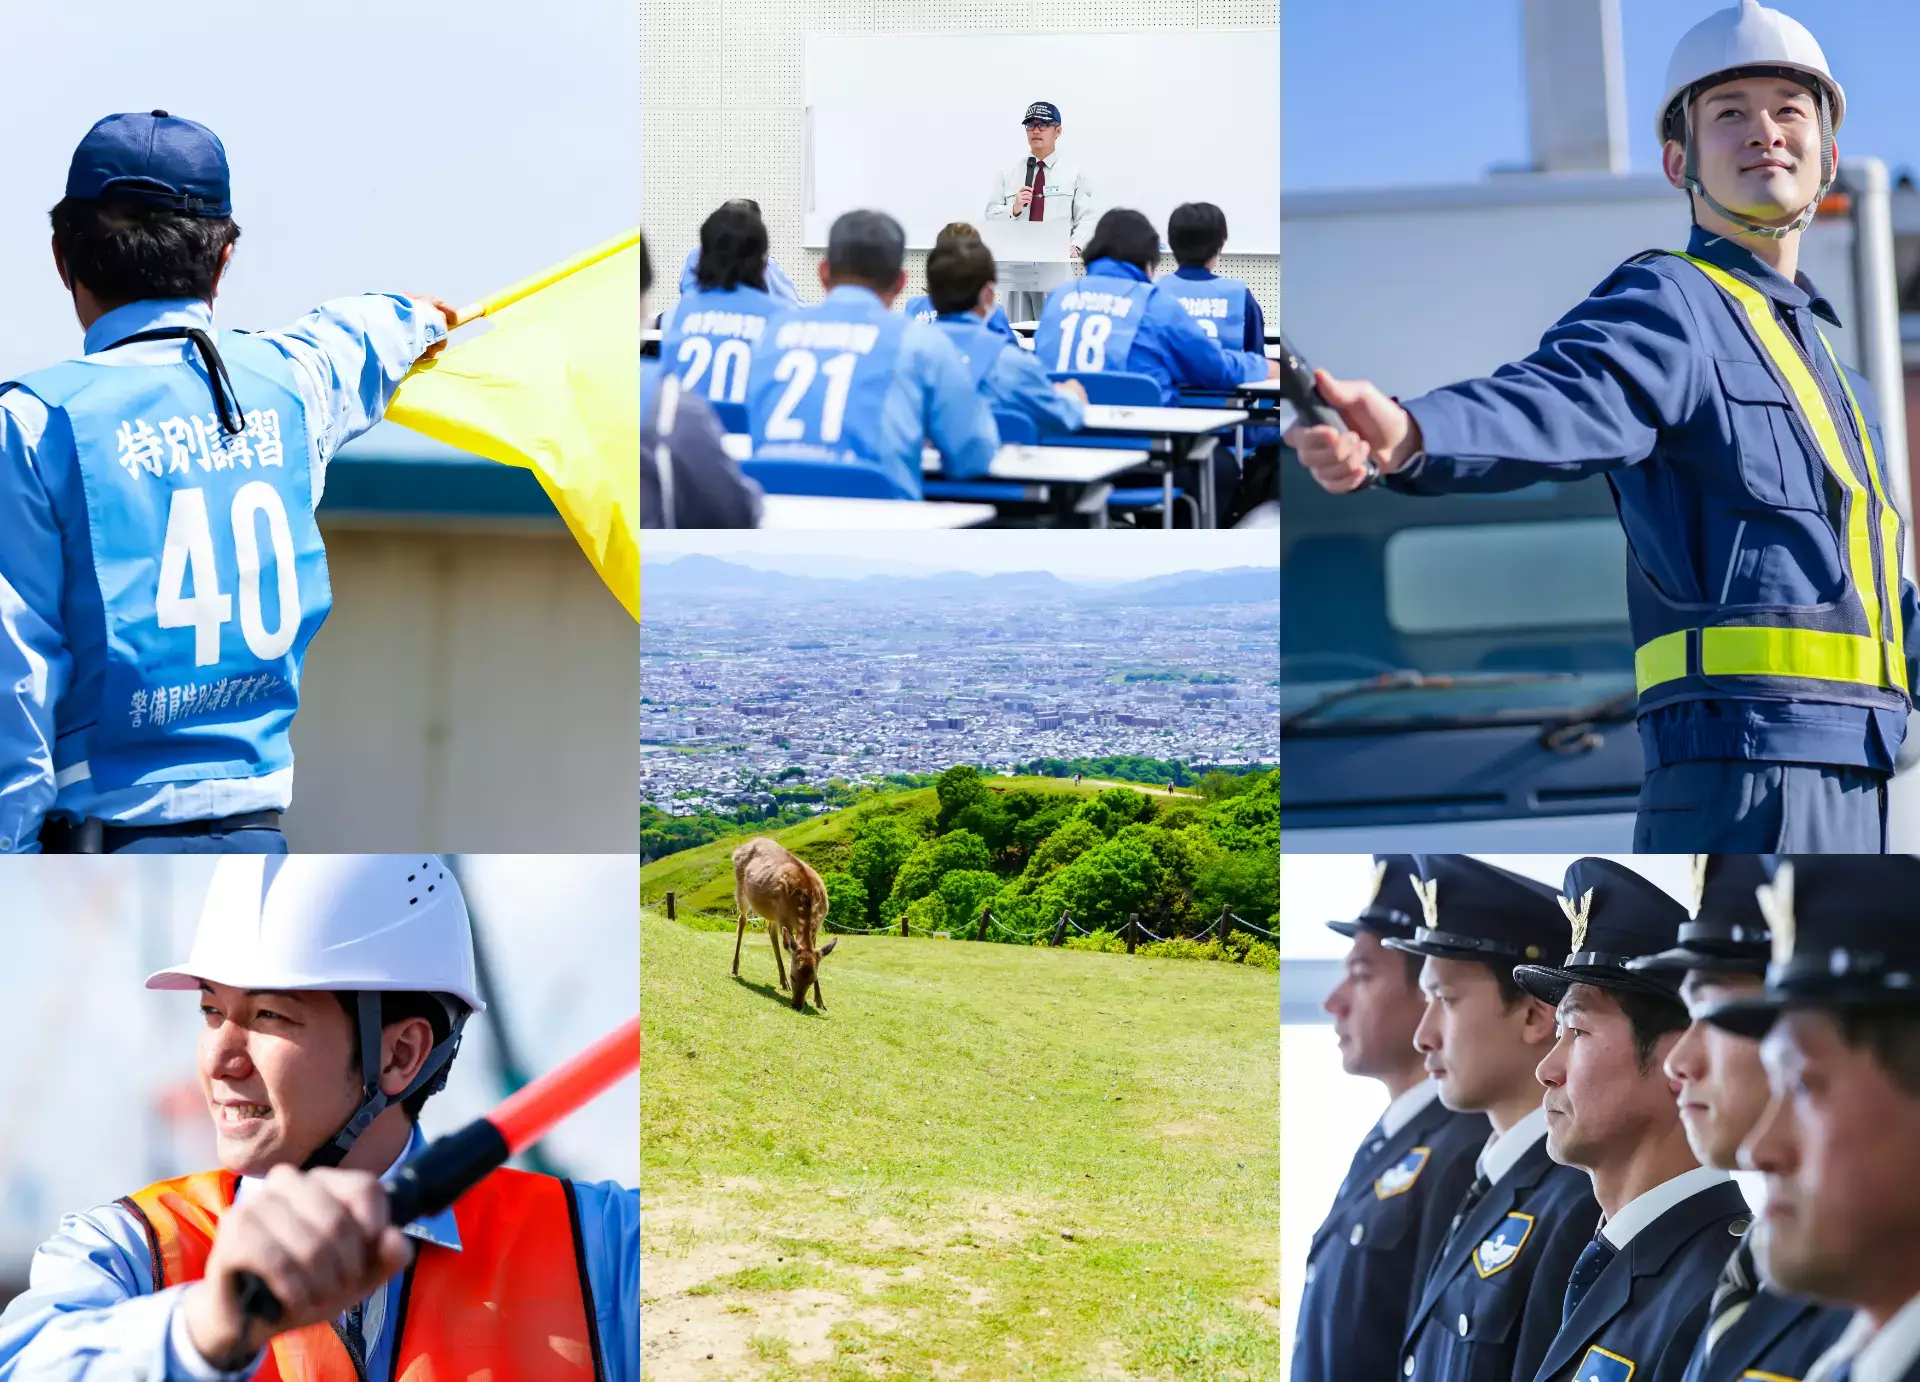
[(1221, 927)]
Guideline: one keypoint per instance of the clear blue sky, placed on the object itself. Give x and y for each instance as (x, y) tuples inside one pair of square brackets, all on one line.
[(1394, 92)]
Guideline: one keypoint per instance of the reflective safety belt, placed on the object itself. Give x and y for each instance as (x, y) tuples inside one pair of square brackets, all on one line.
[(1813, 654)]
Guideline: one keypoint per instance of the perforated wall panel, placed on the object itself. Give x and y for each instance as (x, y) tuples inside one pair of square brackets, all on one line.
[(720, 107)]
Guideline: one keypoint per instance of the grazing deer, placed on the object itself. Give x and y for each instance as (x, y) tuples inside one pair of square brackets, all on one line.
[(771, 882)]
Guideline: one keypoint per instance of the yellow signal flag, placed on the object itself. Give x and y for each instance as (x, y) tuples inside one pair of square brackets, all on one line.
[(554, 387)]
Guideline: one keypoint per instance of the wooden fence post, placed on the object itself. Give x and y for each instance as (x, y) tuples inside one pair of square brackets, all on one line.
[(986, 920), (1059, 929), (1133, 931), (903, 925), (670, 915), (1226, 926)]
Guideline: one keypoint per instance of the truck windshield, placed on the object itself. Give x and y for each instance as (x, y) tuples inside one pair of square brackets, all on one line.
[(1463, 609)]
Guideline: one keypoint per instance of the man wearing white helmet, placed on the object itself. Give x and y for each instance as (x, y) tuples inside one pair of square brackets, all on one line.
[(1768, 612), (334, 989)]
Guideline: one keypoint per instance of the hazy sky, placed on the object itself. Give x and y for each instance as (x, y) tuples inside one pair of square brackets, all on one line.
[(448, 147), (1318, 888), (1393, 92), (1084, 554)]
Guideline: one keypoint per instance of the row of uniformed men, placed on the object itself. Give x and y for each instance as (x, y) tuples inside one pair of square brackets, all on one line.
[(1548, 1194)]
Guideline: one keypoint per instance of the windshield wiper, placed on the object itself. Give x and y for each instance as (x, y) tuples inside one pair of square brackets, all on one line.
[(1576, 731), (1408, 679)]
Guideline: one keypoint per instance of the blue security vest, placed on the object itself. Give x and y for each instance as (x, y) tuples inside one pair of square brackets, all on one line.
[(920, 309), (820, 380), (1088, 324), (709, 342), (1849, 648), (211, 575), (1218, 306), (979, 345)]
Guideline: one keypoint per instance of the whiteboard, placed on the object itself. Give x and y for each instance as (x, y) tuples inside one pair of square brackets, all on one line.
[(917, 124)]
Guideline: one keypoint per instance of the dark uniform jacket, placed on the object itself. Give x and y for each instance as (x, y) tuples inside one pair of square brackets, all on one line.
[(1639, 1321), (1371, 1255), (1491, 1305), (1776, 1336)]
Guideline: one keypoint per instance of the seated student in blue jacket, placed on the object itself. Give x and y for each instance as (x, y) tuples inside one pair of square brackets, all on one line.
[(851, 382), (960, 279), (778, 283), (708, 337), (921, 308), (1117, 319)]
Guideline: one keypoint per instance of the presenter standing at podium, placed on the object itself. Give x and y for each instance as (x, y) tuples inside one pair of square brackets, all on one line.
[(1042, 187)]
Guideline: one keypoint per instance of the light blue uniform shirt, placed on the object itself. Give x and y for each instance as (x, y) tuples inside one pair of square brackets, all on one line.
[(778, 283), (90, 1313), (1016, 382), (929, 398), (347, 358)]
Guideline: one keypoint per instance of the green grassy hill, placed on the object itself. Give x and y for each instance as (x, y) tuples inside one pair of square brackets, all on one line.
[(979, 1162), (702, 877)]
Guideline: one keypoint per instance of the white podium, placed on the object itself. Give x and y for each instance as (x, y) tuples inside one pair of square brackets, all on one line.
[(1033, 259)]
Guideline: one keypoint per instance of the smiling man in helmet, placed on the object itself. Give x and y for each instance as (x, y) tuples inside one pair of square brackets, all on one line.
[(334, 990), (1768, 612)]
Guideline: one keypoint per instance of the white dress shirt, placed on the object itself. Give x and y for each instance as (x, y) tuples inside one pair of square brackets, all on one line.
[(1504, 1149), (1400, 1112), (1068, 193), (1643, 1209), (1883, 1356)]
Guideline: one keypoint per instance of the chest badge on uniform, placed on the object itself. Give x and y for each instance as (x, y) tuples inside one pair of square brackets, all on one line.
[(1498, 1249), (1602, 1366), (1399, 1177)]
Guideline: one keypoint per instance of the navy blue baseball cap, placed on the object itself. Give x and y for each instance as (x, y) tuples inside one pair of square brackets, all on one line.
[(1477, 911), (1617, 915), (1393, 912), (1843, 939), (1041, 113), (153, 159)]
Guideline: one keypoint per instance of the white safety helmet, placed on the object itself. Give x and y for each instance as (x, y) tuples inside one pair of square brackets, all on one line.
[(365, 924), (1749, 38)]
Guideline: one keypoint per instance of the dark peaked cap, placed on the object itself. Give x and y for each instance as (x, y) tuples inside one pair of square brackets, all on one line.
[(1844, 939), (1729, 932), (1476, 911), (1394, 908), (1617, 915)]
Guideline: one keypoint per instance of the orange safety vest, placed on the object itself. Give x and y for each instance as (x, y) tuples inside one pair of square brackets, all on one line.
[(513, 1305)]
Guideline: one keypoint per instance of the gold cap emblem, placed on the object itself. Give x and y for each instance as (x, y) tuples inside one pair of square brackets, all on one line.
[(1776, 905), (1699, 883), (1428, 891), (1577, 914)]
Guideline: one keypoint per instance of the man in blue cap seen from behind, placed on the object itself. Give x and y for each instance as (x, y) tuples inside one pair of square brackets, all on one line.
[(1753, 1328), (1638, 1296), (162, 573), (1839, 1031), (1393, 1209), (1490, 1306)]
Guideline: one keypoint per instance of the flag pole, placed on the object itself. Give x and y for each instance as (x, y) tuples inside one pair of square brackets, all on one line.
[(526, 287)]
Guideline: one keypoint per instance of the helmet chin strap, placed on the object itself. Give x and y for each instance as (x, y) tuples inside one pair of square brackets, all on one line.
[(373, 1101), (1828, 170)]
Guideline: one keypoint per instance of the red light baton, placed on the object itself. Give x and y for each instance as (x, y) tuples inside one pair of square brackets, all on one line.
[(454, 1164)]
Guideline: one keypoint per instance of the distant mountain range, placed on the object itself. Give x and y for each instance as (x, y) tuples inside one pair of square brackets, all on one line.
[(699, 578)]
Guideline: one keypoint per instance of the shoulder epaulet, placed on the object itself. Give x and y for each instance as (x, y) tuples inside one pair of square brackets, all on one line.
[(9, 386), (1648, 256)]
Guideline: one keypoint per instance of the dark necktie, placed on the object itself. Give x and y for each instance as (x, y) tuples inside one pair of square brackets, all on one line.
[(1475, 1193), (1038, 211), (1733, 1294), (1593, 1261)]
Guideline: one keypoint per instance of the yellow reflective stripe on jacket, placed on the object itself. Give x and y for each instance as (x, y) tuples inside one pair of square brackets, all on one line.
[(1889, 526), (1793, 653), (1752, 651)]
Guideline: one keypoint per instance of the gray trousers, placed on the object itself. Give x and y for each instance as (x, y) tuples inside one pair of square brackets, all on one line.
[(1737, 806)]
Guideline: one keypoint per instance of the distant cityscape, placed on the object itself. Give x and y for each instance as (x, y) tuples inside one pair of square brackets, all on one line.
[(751, 680)]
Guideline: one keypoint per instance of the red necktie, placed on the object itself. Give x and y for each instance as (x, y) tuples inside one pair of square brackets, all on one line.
[(1038, 211)]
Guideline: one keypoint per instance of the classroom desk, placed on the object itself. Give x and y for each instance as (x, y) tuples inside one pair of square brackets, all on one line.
[(812, 512), (1072, 468), (1182, 428)]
